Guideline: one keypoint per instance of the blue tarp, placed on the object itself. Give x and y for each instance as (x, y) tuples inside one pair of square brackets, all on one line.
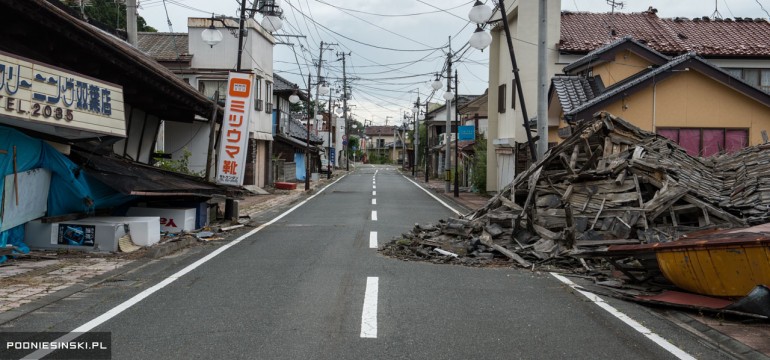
[(71, 191), (299, 159)]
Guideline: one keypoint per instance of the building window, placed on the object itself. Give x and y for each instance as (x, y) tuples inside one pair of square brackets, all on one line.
[(759, 78), (258, 105), (268, 96), (208, 87), (501, 95), (706, 142), (380, 143)]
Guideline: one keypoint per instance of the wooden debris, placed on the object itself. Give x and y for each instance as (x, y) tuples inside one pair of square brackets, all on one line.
[(609, 183)]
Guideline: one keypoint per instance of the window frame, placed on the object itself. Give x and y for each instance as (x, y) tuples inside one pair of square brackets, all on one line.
[(701, 147)]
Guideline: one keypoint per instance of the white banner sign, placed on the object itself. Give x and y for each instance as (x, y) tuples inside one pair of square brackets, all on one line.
[(234, 136)]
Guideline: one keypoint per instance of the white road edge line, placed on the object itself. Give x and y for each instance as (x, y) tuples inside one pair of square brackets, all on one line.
[(433, 196), (372, 239), (374, 215), (149, 291), (369, 315), (657, 339), (374, 201)]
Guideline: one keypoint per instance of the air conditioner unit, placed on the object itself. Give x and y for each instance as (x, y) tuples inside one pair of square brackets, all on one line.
[(258, 105)]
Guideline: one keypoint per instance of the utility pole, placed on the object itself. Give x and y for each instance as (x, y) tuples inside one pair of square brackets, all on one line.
[(131, 21), (427, 150), (416, 135), (318, 82), (307, 144), (329, 130), (448, 151), (457, 140), (240, 36), (542, 77), (345, 111)]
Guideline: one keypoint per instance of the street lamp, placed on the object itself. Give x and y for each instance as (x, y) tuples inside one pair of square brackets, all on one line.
[(480, 14), (480, 39)]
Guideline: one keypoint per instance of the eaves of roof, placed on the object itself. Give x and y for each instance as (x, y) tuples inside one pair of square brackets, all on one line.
[(686, 62)]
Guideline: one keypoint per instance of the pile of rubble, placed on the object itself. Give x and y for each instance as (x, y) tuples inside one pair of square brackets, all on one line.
[(609, 183)]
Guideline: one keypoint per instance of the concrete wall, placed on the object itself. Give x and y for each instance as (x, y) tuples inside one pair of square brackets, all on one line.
[(523, 19)]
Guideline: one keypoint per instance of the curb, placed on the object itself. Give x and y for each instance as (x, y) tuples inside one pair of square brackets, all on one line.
[(49, 299), (715, 338)]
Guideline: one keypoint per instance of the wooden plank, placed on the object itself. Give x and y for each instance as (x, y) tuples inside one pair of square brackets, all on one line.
[(486, 239), (567, 194), (545, 233), (597, 214), (607, 242), (573, 159), (591, 160)]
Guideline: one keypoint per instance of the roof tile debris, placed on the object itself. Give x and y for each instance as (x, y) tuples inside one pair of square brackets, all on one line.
[(609, 183)]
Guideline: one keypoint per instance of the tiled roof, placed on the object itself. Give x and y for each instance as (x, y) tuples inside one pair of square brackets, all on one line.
[(582, 32), (572, 91), (598, 52), (298, 130), (380, 130), (164, 46), (281, 85), (728, 37), (619, 88)]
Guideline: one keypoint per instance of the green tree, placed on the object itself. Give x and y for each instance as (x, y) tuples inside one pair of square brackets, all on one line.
[(479, 172), (302, 105), (110, 13)]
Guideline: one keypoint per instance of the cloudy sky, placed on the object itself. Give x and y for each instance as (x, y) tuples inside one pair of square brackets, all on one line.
[(396, 45)]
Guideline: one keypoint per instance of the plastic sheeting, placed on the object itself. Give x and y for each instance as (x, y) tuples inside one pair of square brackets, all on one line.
[(71, 191)]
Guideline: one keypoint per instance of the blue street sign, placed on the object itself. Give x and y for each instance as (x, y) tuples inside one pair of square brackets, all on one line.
[(355, 148), (466, 132), (331, 155)]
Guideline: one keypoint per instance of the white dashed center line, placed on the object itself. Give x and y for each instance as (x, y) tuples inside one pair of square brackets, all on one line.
[(374, 215), (374, 201), (373, 239), (369, 315)]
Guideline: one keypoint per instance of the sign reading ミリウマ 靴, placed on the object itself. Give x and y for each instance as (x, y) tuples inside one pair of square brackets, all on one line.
[(44, 98)]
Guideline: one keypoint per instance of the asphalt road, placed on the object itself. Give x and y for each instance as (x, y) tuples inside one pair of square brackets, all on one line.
[(310, 286)]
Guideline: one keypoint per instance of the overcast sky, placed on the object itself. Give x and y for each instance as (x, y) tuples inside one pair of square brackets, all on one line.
[(396, 45)]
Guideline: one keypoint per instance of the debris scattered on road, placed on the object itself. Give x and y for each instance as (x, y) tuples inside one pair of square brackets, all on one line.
[(608, 184)]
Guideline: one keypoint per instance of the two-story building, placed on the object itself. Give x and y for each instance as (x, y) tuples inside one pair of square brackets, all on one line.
[(206, 68), (739, 46)]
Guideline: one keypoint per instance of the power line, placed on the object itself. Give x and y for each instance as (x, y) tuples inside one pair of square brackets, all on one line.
[(394, 15), (357, 41)]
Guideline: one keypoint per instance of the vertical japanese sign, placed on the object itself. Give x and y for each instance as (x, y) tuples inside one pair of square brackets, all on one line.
[(234, 136)]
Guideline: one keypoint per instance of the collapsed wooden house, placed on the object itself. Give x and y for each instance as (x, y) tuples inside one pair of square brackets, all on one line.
[(608, 183)]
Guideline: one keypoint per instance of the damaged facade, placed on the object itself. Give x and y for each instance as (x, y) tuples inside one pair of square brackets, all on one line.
[(609, 185), (737, 46), (84, 118)]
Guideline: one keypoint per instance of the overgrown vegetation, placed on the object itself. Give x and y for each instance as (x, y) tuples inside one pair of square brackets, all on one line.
[(181, 165), (479, 172)]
